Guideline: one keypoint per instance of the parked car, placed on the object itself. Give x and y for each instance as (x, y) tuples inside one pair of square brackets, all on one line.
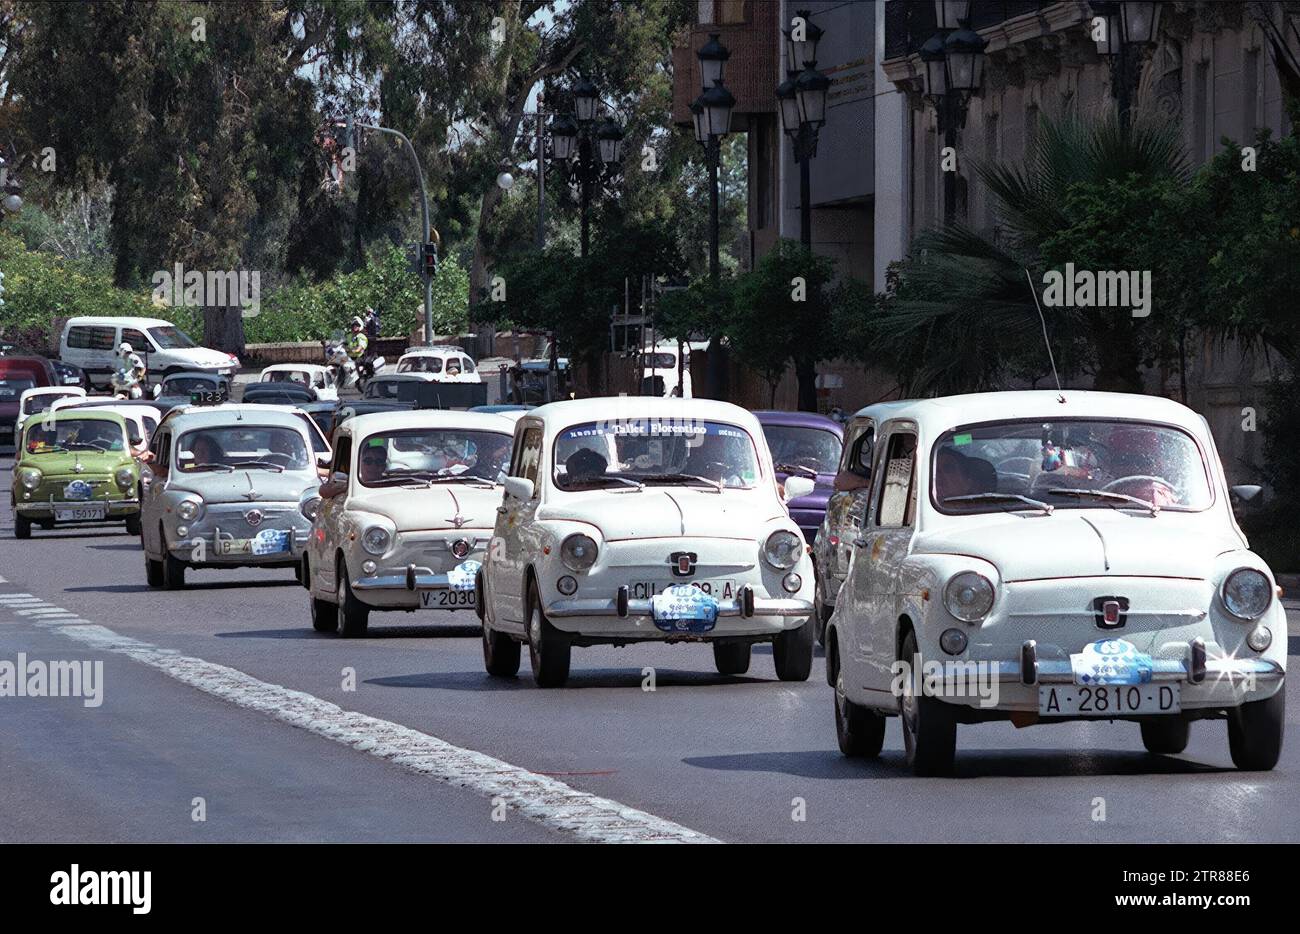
[(65, 373), (809, 445), (658, 366), (406, 515), (91, 343), (445, 363), (17, 375), (191, 388), (74, 467), (319, 379), (279, 393), (641, 519), (833, 545), (426, 391), (38, 399), (1049, 556), (322, 453), (230, 486)]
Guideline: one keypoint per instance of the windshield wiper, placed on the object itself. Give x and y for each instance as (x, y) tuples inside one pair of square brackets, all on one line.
[(797, 468), (225, 467), (1149, 506), (995, 497), (572, 483), (255, 463), (715, 485)]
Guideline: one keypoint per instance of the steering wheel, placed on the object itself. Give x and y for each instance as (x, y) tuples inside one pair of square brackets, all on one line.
[(1115, 486)]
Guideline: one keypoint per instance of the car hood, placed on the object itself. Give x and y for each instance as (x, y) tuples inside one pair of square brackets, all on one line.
[(60, 463), (269, 486), (1071, 544), (437, 507), (670, 511)]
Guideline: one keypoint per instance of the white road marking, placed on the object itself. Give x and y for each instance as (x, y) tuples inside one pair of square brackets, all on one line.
[(550, 802)]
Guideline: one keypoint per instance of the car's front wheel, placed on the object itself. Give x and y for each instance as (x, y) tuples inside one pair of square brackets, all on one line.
[(133, 524), (173, 572), (1167, 736), (792, 652), (500, 653), (549, 649), (731, 658), (859, 731), (352, 617), (1255, 733), (22, 526), (929, 728), (153, 571)]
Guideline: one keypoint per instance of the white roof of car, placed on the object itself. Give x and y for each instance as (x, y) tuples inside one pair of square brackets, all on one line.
[(119, 321), (210, 416), (291, 367), (76, 391), (439, 350), (126, 411), (556, 416), (945, 412), (426, 418)]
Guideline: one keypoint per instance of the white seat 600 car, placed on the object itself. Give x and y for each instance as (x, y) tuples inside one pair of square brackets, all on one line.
[(1041, 557), (405, 516), (638, 519)]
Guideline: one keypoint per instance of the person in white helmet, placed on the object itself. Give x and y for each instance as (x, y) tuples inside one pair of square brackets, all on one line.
[(130, 374), (356, 342)]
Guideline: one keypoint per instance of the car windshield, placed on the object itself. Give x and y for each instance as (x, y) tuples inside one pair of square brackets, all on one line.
[(253, 447), (12, 387), (184, 385), (655, 451), (44, 401), (75, 434), (659, 361), (812, 449), (1075, 463), (420, 364), (433, 454), (297, 377), (170, 338)]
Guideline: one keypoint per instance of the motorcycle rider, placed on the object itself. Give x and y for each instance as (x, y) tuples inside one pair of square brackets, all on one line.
[(356, 342), (130, 374)]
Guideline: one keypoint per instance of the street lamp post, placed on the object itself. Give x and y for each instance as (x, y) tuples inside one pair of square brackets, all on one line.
[(952, 64), (1129, 27), (711, 114), (802, 100)]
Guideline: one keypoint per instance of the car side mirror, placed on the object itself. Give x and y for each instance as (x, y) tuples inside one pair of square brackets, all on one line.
[(157, 390), (1246, 495), (796, 486), (520, 488)]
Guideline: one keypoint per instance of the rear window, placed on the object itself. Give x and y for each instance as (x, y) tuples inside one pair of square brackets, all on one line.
[(92, 337), (11, 387), (420, 365), (44, 401)]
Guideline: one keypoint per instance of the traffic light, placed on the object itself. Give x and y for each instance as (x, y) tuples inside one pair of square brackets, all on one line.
[(431, 260)]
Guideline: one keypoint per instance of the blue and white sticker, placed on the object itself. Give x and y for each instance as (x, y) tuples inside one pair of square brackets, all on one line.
[(1111, 661), (270, 542), (461, 577), (684, 608), (78, 490)]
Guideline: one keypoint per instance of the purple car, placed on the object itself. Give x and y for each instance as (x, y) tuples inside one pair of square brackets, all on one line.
[(806, 444)]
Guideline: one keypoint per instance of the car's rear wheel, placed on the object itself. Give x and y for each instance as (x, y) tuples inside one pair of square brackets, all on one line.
[(792, 653), (352, 617), (549, 649), (929, 728), (1166, 737), (22, 526), (859, 731), (732, 658), (1255, 733), (153, 571)]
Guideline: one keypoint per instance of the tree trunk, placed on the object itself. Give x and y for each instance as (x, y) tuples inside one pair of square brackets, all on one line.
[(223, 329), (806, 372), (1119, 358)]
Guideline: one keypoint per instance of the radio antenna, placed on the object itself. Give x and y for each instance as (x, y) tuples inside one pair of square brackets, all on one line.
[(1046, 342)]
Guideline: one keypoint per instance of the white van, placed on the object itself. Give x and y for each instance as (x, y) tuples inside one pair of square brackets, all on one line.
[(658, 366), (91, 343)]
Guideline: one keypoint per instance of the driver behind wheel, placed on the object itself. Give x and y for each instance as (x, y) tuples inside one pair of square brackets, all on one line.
[(1139, 468)]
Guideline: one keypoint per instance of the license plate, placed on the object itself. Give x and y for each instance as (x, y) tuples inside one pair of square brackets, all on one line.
[(717, 589), (268, 542), (80, 513), (1065, 700), (448, 599)]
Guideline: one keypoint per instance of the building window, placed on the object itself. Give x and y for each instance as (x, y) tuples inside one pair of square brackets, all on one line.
[(705, 10), (730, 11)]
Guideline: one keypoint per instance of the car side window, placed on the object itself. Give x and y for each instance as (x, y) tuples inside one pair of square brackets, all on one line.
[(342, 456), (161, 452), (898, 471), (857, 458), (528, 457), (80, 337), (103, 338), (139, 343)]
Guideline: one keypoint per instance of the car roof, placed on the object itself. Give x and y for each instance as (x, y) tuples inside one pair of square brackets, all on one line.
[(426, 418), (798, 420), (121, 405), (193, 374), (280, 367), (945, 412), (49, 390), (118, 320), (556, 416), (95, 414), (435, 349), (209, 416)]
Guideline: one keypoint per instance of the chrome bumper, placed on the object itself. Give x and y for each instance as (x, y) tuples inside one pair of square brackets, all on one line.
[(414, 579), (115, 507), (1195, 669), (746, 605)]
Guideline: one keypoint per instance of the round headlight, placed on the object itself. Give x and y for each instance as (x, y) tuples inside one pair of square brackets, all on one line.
[(1247, 593), (309, 507), (968, 596), (376, 539), (188, 509), (782, 549), (124, 478), (578, 552), (30, 478)]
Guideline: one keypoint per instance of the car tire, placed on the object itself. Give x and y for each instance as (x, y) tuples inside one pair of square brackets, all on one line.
[(859, 731), (1167, 736), (133, 525), (500, 653), (352, 617), (732, 658), (324, 616), (792, 653), (480, 595), (549, 650), (929, 727), (173, 572), (22, 526), (1255, 733), (821, 612), (153, 572)]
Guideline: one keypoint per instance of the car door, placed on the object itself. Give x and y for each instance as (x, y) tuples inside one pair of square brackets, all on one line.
[(879, 553), (153, 482), (847, 505), (326, 537), (514, 533)]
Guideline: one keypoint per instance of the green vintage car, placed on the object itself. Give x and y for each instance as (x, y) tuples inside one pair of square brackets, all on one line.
[(74, 467)]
